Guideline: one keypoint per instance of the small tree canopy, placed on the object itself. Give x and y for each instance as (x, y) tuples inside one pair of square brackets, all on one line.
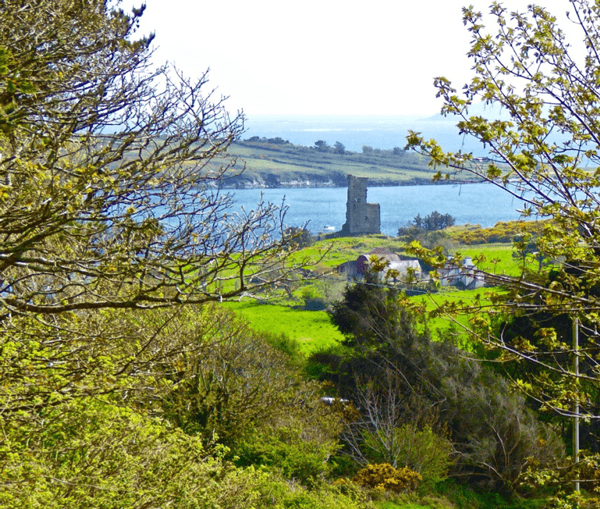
[(322, 146), (110, 172), (545, 152), (434, 221)]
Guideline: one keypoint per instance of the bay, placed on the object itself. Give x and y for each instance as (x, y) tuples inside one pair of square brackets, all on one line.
[(483, 204)]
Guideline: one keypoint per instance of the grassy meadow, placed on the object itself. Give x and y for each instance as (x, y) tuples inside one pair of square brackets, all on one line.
[(313, 329), (279, 164)]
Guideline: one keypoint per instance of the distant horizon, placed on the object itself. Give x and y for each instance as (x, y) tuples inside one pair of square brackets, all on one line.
[(340, 115), (383, 132)]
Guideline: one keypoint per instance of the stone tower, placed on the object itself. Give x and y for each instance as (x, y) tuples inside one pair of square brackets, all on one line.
[(361, 217)]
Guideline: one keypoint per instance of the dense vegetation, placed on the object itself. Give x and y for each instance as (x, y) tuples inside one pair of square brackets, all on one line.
[(430, 223), (119, 385), (126, 382)]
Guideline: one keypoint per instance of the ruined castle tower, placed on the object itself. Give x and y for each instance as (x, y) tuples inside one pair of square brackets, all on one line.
[(361, 217)]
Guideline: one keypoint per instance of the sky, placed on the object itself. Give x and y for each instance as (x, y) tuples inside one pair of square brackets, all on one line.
[(319, 57)]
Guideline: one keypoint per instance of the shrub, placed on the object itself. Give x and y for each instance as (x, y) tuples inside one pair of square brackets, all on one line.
[(312, 300), (290, 450), (492, 430), (232, 380), (384, 476), (299, 236), (422, 450), (500, 232), (281, 494), (96, 454)]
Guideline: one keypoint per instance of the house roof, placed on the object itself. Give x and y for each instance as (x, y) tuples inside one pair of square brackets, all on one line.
[(382, 252), (467, 263)]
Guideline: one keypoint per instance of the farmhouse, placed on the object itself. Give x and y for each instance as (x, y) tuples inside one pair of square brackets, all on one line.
[(467, 276), (356, 269)]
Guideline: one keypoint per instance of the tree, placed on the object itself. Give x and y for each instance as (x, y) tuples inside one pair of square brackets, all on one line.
[(435, 221), (413, 393), (546, 153), (427, 231), (367, 150), (430, 223), (111, 171), (339, 148), (299, 236), (110, 205), (366, 314), (322, 146)]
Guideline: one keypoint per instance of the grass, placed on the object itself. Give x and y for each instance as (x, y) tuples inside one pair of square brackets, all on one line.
[(342, 249), (440, 325), (435, 504), (275, 165), (314, 331), (493, 258), (408, 505), (311, 329)]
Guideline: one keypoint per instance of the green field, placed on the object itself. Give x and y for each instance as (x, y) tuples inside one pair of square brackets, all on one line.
[(285, 165), (441, 325), (312, 329), (342, 249), (494, 258)]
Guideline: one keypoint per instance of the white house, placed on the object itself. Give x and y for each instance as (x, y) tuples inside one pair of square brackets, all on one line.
[(466, 276), (357, 268)]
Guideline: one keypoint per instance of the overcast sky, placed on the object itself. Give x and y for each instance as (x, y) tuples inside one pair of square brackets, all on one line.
[(327, 57)]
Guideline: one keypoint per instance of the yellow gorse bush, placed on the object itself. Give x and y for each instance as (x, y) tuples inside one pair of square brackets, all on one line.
[(384, 476)]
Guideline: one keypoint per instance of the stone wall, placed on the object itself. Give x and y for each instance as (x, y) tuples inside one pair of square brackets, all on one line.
[(361, 217)]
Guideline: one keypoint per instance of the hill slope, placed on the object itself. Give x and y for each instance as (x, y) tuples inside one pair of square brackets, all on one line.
[(275, 163)]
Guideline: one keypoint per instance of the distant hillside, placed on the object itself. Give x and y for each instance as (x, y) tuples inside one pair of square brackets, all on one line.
[(276, 163)]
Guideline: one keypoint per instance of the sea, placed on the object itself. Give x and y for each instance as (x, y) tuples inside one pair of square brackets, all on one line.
[(322, 210), (354, 132)]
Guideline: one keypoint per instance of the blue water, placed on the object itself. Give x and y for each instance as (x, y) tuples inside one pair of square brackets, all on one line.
[(354, 132), (482, 204)]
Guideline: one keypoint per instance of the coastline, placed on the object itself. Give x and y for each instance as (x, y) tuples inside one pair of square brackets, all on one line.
[(330, 184)]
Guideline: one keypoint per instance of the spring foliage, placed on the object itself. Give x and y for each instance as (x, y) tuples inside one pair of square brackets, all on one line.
[(113, 225), (544, 150)]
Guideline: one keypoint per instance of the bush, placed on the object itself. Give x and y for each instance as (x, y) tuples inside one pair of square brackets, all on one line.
[(281, 494), (465, 497), (290, 450), (384, 476), (501, 232), (299, 237), (232, 380), (492, 430), (96, 454), (422, 450)]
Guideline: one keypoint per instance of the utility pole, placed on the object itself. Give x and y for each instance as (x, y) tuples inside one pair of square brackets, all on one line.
[(576, 402)]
